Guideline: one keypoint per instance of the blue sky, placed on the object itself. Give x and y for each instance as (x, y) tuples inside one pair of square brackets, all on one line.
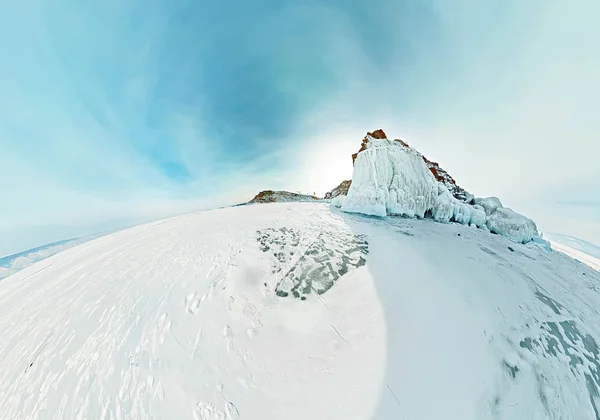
[(123, 111)]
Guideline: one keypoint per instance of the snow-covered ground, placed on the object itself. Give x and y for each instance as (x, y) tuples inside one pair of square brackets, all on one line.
[(215, 315)]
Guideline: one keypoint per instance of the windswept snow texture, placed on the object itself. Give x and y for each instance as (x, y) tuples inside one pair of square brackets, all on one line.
[(390, 178), (180, 319), (16, 262)]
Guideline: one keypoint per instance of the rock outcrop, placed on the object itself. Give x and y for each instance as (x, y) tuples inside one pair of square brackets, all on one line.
[(341, 189), (444, 177), (269, 196)]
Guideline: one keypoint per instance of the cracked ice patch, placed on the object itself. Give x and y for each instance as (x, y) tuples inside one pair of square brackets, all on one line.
[(311, 265)]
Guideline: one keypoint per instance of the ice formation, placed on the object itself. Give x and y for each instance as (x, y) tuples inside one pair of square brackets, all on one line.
[(443, 210), (478, 216), (489, 204), (447, 208), (391, 178), (513, 225)]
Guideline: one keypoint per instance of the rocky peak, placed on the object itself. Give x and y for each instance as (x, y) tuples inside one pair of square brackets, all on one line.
[(377, 134)]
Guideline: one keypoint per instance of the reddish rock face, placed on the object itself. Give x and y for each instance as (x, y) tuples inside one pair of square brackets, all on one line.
[(444, 177), (377, 134), (440, 174), (403, 143)]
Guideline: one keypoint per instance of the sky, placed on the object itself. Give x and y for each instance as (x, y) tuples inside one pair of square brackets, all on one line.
[(119, 112)]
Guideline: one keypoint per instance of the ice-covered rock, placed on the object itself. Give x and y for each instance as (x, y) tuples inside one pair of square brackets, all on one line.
[(445, 179), (489, 204), (441, 175), (390, 178), (443, 209), (462, 212), (469, 198), (448, 208), (514, 226), (478, 216)]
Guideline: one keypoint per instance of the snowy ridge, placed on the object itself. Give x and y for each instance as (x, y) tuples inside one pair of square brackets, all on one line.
[(391, 178)]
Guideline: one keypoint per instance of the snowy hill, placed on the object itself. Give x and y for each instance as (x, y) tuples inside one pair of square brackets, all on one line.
[(300, 311)]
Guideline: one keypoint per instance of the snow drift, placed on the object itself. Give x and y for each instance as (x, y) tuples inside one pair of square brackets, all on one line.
[(392, 178)]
